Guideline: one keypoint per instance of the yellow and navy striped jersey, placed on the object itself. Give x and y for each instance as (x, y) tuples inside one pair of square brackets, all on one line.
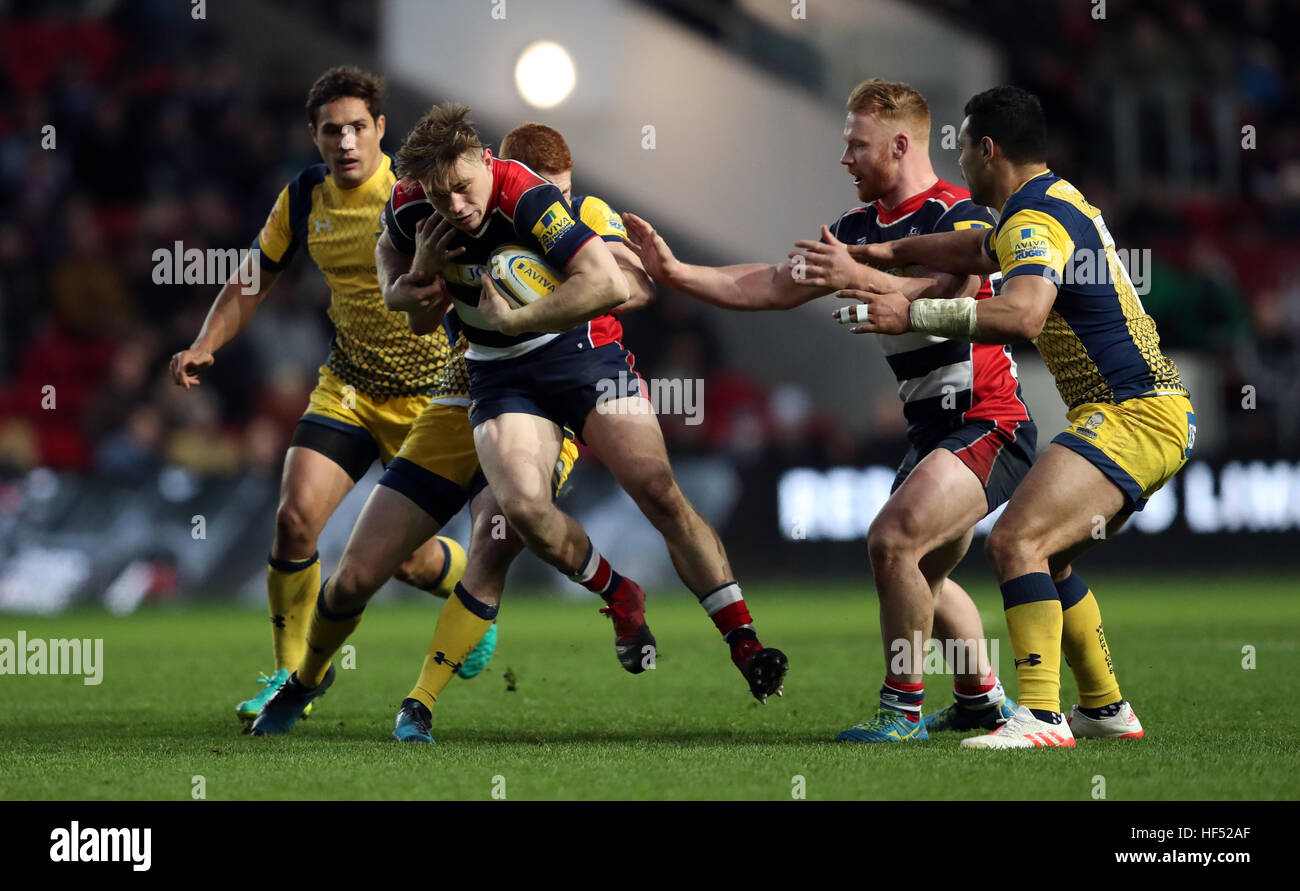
[(373, 349), (1098, 341)]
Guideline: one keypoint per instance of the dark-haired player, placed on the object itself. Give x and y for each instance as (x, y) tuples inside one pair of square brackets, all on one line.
[(535, 369), (378, 378), (971, 437), (1131, 424)]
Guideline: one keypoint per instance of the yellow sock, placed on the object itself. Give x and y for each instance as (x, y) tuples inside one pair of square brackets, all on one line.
[(462, 624), (1084, 643), (291, 588), (325, 635), (454, 562), (1033, 612)]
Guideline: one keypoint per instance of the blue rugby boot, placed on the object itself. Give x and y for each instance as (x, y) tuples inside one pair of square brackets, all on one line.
[(284, 709), (887, 725), (414, 722)]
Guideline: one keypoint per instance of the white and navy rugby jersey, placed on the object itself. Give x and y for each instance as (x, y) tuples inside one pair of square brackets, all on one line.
[(943, 383), (523, 209)]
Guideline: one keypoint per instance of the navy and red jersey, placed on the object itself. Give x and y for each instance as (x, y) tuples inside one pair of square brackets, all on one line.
[(523, 209), (943, 383)]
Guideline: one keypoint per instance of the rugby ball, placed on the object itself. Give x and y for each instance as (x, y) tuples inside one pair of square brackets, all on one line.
[(520, 275)]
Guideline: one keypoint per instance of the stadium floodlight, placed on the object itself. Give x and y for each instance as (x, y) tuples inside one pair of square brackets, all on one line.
[(544, 74)]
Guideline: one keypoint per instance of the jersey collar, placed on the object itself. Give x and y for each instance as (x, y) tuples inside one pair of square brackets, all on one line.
[(906, 206)]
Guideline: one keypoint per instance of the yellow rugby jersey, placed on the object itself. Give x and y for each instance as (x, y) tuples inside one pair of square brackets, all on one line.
[(1098, 341), (372, 349)]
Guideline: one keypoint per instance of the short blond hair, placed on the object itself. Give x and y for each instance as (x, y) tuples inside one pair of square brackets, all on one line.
[(892, 102), (438, 140)]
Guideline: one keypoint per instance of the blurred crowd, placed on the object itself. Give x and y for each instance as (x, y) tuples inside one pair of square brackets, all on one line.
[(157, 137)]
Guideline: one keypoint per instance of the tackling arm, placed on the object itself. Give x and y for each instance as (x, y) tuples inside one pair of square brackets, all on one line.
[(960, 252)]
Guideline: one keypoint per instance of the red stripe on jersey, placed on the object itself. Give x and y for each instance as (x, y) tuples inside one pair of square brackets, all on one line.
[(510, 180), (406, 190), (994, 389)]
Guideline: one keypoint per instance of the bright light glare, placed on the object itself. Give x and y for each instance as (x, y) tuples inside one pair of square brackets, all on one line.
[(545, 75)]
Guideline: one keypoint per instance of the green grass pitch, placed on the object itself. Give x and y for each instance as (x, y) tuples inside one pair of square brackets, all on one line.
[(578, 727)]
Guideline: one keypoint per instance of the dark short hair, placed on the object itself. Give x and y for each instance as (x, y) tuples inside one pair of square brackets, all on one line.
[(1012, 118), (345, 81)]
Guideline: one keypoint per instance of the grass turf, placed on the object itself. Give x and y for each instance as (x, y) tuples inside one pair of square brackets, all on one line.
[(578, 727)]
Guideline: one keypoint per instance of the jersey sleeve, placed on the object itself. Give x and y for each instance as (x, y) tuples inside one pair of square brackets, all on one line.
[(965, 214), (1033, 242), (276, 243), (601, 219), (544, 221), (406, 206)]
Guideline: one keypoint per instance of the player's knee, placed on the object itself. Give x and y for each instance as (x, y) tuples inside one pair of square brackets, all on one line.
[(294, 531), (527, 515), (355, 582), (1005, 549), (658, 495), (890, 539), (417, 573)]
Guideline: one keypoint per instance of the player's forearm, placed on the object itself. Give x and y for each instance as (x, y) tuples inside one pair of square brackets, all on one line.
[(583, 296), (930, 286), (960, 252), (1008, 318), (748, 287), (231, 311), (640, 290), (390, 265)]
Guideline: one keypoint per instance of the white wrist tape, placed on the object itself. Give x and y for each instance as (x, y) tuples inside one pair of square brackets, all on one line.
[(852, 315), (953, 318)]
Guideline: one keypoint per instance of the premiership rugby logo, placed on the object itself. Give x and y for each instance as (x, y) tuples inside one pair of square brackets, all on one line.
[(1031, 245)]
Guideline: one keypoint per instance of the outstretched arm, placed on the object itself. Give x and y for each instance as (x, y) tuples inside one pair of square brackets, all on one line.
[(960, 251), (751, 286), (230, 312), (1016, 314)]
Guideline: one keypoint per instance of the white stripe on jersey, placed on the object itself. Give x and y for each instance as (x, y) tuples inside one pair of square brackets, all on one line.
[(480, 353), (891, 344), (959, 376)]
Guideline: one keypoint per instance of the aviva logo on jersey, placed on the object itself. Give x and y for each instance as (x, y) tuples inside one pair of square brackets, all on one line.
[(552, 226), (1031, 244)]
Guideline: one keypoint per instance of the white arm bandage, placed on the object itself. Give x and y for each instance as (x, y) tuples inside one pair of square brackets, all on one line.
[(953, 318)]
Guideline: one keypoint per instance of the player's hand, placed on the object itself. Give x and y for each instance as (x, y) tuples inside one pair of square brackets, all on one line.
[(493, 307), (824, 264), (650, 248), (186, 365), (410, 292), (874, 311), (432, 251), (879, 254)]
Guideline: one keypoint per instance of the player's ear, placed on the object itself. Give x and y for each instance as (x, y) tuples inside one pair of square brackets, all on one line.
[(900, 144), (380, 123)]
